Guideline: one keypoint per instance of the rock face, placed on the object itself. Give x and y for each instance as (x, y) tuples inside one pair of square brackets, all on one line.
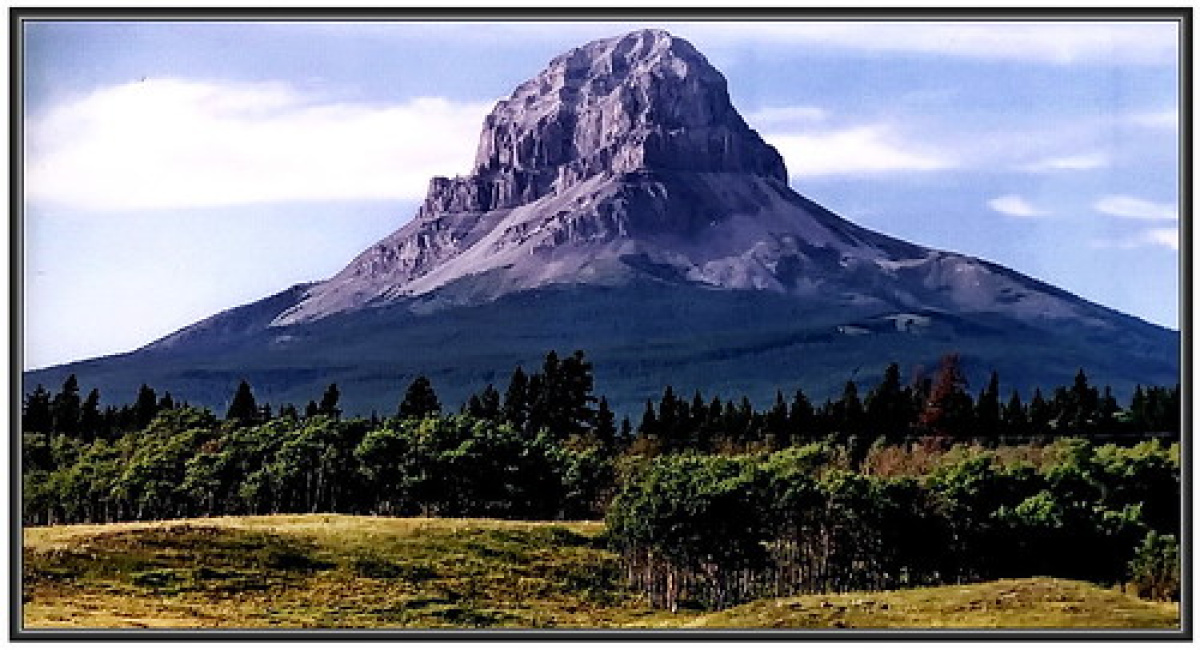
[(624, 159)]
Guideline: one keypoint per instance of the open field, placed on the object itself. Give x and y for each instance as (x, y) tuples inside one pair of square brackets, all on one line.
[(337, 571)]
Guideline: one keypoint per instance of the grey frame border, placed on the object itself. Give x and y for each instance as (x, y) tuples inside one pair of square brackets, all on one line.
[(19, 15)]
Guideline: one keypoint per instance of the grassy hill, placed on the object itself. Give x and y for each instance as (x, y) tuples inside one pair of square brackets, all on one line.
[(336, 571)]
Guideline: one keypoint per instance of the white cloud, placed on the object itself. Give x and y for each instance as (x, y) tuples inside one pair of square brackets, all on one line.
[(1079, 162), (1166, 119), (1131, 207), (785, 116), (169, 143), (1165, 237), (1015, 206), (870, 149), (1168, 237)]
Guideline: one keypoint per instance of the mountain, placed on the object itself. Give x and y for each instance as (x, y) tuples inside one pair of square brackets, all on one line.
[(619, 203)]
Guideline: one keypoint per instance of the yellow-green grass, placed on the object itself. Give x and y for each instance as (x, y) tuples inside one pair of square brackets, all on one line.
[(1026, 603), (337, 571)]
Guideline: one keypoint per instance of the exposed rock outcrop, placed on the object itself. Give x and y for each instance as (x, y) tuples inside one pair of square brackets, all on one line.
[(625, 159)]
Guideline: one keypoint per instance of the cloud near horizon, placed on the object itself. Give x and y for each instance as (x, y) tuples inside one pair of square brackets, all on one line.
[(854, 150), (1015, 206), (174, 143), (1132, 207), (1164, 237)]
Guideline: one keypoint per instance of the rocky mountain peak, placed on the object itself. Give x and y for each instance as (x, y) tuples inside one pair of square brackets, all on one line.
[(643, 101)]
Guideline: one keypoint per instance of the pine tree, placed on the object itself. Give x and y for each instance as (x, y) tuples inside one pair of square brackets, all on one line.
[(243, 409), (489, 403), (1085, 404), (516, 400), (606, 429), (91, 421), (987, 409), (66, 407), (801, 418), (1015, 420), (1107, 412), (848, 411), (420, 400), (777, 422), (1039, 414), (648, 427), (145, 407), (889, 406), (626, 432), (36, 414), (329, 402), (166, 402)]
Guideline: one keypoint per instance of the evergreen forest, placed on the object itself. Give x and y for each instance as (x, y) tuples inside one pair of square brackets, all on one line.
[(709, 500)]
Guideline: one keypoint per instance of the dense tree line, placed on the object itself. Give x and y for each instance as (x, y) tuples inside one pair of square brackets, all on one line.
[(939, 408), (715, 530), (715, 501)]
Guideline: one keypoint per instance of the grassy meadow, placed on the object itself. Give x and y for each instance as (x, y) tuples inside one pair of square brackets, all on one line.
[(338, 571)]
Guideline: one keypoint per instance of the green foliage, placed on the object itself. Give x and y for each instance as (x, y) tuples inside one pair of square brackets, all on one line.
[(793, 522), (1154, 569)]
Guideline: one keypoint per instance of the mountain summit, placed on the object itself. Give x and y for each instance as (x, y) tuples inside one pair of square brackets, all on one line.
[(624, 160), (614, 143), (618, 203)]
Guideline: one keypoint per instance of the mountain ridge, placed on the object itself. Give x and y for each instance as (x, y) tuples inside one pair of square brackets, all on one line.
[(621, 178)]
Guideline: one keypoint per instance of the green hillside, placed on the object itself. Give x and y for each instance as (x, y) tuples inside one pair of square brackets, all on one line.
[(336, 571)]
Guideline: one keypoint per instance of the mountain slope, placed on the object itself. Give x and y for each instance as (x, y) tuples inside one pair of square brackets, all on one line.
[(619, 204)]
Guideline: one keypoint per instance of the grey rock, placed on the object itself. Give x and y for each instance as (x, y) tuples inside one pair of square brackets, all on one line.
[(625, 159)]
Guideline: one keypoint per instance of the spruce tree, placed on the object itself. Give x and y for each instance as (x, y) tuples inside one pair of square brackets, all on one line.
[(516, 400), (36, 414), (145, 407), (66, 407), (91, 420), (420, 400), (243, 409), (329, 402), (889, 406), (1015, 421), (606, 428), (801, 419), (1039, 414), (987, 409)]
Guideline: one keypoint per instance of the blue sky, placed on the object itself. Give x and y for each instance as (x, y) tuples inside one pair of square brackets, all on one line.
[(173, 170)]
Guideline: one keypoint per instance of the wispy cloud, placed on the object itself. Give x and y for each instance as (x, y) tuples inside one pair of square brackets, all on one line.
[(857, 150), (172, 143), (1164, 237), (1080, 162), (1165, 119), (774, 117), (1015, 206), (1131, 207), (1050, 41)]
